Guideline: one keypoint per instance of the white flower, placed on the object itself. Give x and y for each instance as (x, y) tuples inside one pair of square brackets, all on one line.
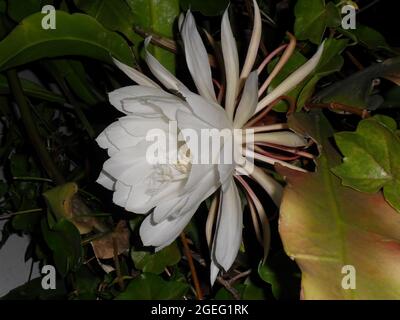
[(172, 193)]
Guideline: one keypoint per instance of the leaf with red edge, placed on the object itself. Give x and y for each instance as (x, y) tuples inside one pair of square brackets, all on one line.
[(326, 226)]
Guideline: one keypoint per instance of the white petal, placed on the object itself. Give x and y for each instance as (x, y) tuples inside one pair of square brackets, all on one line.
[(167, 208), (254, 43), (229, 229), (248, 102), (104, 143), (197, 59), (106, 180), (214, 270), (143, 197), (121, 194), (285, 138), (128, 158), (273, 188), (208, 111), (128, 99), (164, 233), (139, 127), (231, 61), (293, 80), (135, 75), (206, 186), (162, 74)]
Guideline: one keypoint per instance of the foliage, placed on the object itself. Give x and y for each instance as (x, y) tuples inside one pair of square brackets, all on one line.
[(326, 226)]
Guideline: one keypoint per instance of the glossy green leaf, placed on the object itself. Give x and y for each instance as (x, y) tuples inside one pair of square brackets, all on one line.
[(157, 17), (206, 7), (64, 241), (17, 12), (371, 158), (326, 226), (75, 34), (115, 15), (312, 18), (357, 89), (253, 292), (59, 200), (156, 262), (149, 286), (369, 37), (283, 276)]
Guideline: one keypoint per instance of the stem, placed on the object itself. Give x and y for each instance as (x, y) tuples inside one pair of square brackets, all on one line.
[(33, 179), (334, 106), (268, 58), (259, 116), (282, 61), (31, 129), (120, 280), (189, 257), (10, 215)]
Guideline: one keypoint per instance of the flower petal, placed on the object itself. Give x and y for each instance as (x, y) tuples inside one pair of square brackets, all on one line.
[(135, 75), (254, 43), (229, 229), (293, 80), (214, 270), (121, 194), (106, 180), (197, 59), (162, 74), (146, 102), (167, 208), (273, 188), (231, 61), (284, 138), (248, 102), (164, 233), (208, 111)]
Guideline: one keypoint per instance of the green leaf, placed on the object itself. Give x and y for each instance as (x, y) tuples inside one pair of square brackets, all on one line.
[(17, 12), (224, 294), (115, 15), (252, 292), (282, 274), (206, 7), (149, 286), (326, 226), (312, 18), (156, 262), (75, 34), (357, 89), (371, 158), (64, 241), (59, 200), (369, 37), (157, 17)]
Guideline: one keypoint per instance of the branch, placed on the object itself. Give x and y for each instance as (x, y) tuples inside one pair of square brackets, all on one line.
[(189, 257), (31, 129), (334, 106)]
